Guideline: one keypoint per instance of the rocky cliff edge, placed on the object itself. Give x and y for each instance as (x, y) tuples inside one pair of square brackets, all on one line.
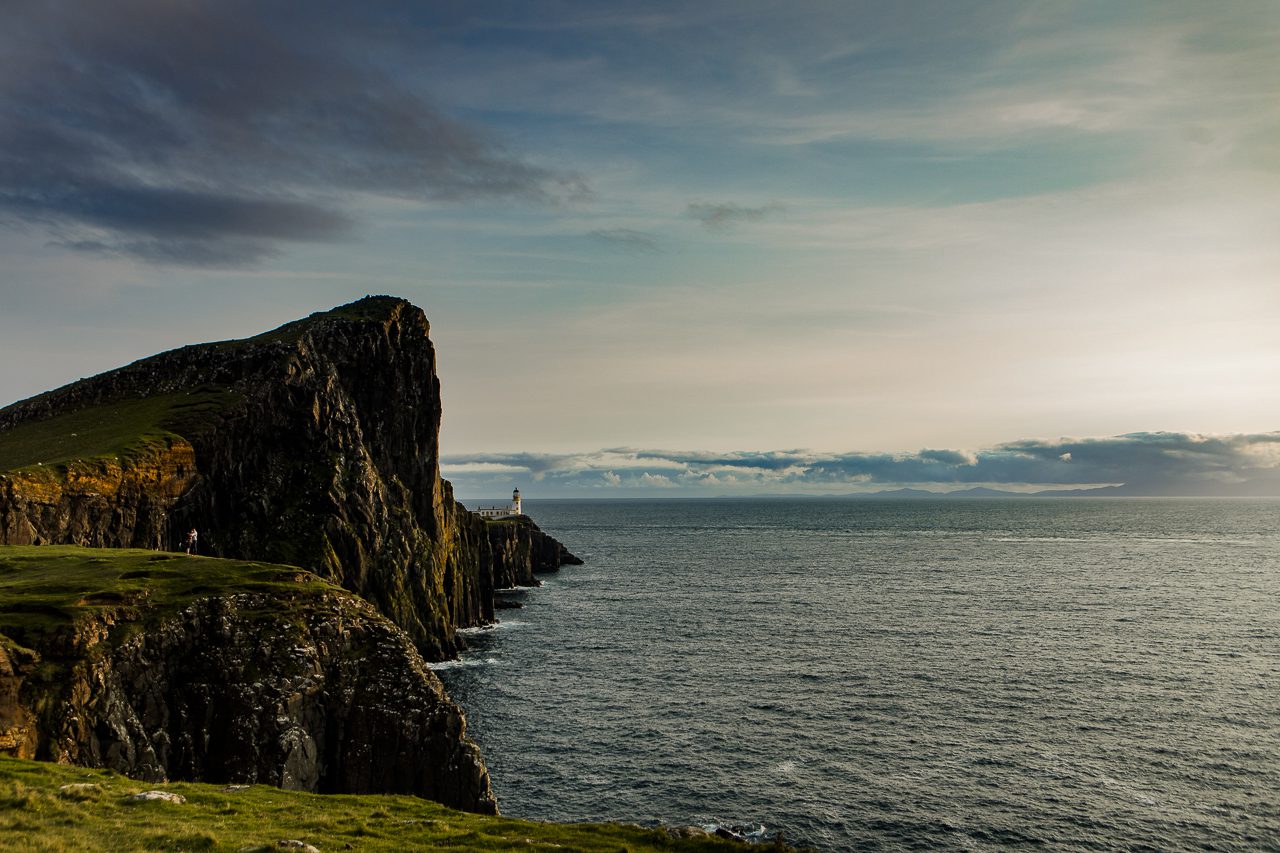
[(164, 667), (315, 445)]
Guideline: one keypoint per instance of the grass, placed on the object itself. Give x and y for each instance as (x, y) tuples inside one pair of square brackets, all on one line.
[(115, 429), (46, 588), (38, 814)]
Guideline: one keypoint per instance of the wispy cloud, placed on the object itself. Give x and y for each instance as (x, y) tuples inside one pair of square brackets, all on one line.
[(1162, 463), (213, 132), (722, 215), (626, 239)]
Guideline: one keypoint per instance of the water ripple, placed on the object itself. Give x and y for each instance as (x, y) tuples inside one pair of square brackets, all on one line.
[(1065, 675)]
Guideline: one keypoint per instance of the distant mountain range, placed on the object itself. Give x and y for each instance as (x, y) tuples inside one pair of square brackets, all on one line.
[(1248, 489), (983, 492)]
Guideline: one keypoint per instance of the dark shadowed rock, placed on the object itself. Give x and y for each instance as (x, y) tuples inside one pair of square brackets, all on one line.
[(519, 550), (297, 684)]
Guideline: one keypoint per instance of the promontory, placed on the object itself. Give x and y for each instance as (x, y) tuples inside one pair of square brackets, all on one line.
[(334, 564)]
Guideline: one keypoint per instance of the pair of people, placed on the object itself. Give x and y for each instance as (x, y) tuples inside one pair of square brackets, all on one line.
[(193, 542)]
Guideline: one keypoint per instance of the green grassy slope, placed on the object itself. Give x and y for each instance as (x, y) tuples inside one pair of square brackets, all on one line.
[(44, 588), (109, 430), (38, 814)]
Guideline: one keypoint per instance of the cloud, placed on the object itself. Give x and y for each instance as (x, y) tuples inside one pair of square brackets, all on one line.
[(1162, 463), (214, 132), (183, 226), (722, 215), (949, 457), (626, 239)]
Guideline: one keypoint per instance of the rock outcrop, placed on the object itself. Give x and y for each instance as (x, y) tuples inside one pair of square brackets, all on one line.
[(307, 689), (315, 445), (518, 550)]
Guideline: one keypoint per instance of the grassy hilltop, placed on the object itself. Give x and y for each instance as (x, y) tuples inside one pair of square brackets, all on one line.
[(48, 588)]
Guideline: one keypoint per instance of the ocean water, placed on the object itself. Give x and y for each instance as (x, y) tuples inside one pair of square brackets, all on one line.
[(931, 675)]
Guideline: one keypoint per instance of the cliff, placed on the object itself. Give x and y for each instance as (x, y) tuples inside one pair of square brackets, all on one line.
[(518, 550), (163, 667), (315, 445)]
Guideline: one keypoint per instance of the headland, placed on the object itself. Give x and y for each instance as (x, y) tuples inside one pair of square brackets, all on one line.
[(333, 564)]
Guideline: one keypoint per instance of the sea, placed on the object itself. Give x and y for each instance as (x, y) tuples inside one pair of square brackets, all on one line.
[(986, 674)]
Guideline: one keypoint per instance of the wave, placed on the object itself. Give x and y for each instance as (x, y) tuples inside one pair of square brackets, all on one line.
[(753, 833), (459, 664)]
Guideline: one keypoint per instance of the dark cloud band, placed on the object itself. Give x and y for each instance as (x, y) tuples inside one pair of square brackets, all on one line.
[(1140, 463), (208, 131)]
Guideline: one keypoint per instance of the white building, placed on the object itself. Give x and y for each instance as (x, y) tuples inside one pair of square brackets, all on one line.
[(510, 511)]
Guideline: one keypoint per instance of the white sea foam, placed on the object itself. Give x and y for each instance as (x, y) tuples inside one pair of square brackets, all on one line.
[(465, 662), (752, 832), (481, 630)]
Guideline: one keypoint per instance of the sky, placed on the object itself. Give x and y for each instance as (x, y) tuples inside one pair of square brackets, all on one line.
[(668, 248)]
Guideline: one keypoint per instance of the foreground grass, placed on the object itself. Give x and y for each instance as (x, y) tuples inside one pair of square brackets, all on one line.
[(37, 813)]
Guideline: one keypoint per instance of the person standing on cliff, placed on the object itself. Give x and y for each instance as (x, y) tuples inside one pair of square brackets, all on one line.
[(193, 540)]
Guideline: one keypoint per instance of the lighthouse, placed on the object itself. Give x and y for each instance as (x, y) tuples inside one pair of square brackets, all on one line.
[(501, 513)]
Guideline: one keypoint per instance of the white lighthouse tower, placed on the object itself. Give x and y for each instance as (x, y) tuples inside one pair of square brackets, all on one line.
[(497, 513)]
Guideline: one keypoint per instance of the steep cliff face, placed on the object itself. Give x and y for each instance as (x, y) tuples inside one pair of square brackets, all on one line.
[(519, 550), (19, 734), (277, 678), (314, 445)]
